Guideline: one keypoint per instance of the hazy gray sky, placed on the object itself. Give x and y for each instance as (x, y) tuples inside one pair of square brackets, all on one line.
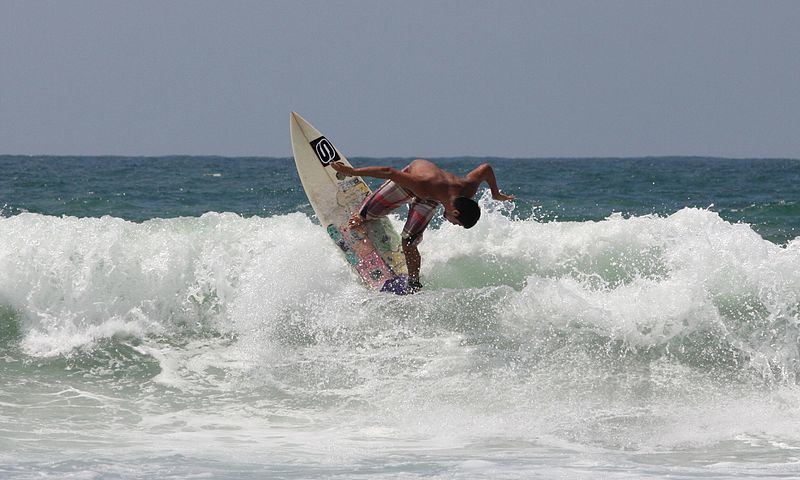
[(402, 78)]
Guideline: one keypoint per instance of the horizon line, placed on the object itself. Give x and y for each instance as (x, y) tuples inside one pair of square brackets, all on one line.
[(403, 157)]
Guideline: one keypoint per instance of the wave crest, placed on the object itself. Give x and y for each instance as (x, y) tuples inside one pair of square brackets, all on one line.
[(690, 285)]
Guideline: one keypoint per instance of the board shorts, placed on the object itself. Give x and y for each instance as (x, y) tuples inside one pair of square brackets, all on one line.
[(390, 196)]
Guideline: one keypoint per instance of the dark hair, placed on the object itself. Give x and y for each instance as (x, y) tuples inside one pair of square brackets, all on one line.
[(468, 211)]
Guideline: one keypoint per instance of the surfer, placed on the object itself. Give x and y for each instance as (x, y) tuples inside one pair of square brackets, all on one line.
[(424, 186)]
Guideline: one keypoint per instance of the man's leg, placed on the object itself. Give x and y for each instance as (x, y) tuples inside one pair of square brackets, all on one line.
[(413, 259), (420, 214), (356, 220), (379, 203)]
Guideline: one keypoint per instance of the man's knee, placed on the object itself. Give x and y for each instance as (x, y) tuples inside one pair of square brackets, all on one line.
[(411, 242)]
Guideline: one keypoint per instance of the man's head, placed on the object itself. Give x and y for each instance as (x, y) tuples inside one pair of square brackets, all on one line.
[(466, 212)]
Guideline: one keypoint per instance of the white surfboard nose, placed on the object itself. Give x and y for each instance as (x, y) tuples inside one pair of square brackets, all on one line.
[(335, 198)]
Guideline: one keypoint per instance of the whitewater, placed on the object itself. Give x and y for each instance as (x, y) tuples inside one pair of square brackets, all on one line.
[(657, 345)]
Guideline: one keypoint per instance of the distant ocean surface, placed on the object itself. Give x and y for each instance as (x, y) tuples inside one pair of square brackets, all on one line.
[(187, 317)]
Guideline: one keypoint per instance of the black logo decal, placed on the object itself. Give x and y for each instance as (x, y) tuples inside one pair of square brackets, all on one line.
[(325, 151)]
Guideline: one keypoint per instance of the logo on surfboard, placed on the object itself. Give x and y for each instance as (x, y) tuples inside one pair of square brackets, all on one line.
[(325, 151)]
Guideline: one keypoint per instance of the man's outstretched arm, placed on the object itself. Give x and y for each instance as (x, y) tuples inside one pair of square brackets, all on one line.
[(387, 173), (485, 173), (375, 172)]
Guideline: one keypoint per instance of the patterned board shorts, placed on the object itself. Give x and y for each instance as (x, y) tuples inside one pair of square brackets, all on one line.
[(390, 196)]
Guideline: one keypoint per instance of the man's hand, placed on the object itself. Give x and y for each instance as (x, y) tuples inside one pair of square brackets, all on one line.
[(502, 196), (342, 168)]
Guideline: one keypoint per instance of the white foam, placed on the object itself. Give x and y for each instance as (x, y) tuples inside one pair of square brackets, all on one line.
[(644, 280), (74, 280), (641, 280)]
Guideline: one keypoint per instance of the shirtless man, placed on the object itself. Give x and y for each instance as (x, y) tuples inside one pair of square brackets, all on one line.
[(424, 186)]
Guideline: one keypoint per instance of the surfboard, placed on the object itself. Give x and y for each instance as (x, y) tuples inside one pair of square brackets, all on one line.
[(373, 250)]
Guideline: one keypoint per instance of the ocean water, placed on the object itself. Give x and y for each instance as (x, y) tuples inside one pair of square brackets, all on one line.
[(187, 317)]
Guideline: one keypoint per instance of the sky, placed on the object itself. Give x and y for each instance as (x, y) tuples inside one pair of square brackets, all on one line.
[(404, 78)]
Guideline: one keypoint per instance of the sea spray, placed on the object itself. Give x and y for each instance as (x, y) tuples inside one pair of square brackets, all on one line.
[(643, 281), (75, 280)]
